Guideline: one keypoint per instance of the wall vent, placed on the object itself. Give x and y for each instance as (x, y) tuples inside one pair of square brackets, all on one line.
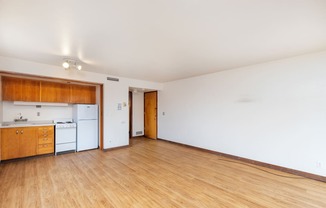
[(112, 79), (139, 132)]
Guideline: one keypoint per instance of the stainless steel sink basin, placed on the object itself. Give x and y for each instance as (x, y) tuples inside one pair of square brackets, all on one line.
[(25, 124), (19, 124), (7, 124), (15, 124)]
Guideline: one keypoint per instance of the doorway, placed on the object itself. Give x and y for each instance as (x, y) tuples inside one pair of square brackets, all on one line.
[(150, 115), (130, 114)]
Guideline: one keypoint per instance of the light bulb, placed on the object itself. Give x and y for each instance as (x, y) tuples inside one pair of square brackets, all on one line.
[(65, 65), (79, 67)]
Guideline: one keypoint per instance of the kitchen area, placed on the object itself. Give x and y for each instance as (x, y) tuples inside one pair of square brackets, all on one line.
[(40, 116)]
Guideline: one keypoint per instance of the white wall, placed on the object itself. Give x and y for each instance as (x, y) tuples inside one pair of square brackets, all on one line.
[(137, 113), (10, 112), (273, 112), (115, 122)]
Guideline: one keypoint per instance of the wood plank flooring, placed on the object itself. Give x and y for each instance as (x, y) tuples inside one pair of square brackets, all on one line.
[(150, 173)]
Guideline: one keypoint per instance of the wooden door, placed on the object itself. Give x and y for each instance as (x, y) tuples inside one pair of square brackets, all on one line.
[(83, 94), (150, 114), (55, 92), (27, 141), (11, 89), (31, 90), (9, 143)]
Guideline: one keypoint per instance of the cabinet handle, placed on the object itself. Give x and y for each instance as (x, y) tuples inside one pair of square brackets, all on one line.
[(16, 131), (45, 138), (21, 131)]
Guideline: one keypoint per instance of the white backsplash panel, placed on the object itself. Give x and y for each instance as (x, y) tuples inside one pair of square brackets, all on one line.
[(33, 113)]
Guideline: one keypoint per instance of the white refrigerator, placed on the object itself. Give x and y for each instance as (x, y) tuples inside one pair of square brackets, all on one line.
[(86, 117)]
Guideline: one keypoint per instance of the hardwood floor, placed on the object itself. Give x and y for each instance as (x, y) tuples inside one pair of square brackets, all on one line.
[(150, 173)]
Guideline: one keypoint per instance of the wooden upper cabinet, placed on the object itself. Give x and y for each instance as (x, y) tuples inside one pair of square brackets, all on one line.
[(18, 89), (11, 89), (31, 90), (55, 92), (83, 94)]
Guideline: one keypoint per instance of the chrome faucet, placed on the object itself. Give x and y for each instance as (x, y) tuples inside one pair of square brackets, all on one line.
[(20, 117)]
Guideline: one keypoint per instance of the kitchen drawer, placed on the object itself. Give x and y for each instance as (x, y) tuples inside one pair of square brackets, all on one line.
[(45, 140), (46, 131), (50, 135), (45, 148)]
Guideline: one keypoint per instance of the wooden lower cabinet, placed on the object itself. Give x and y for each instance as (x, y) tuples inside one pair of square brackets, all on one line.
[(26, 141), (9, 144), (45, 140)]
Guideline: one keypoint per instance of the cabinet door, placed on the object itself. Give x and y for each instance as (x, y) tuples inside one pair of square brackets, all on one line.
[(83, 94), (55, 92), (11, 89), (27, 141), (9, 143), (31, 90)]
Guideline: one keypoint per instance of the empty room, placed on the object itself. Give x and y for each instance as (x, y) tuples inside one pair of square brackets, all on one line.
[(121, 103)]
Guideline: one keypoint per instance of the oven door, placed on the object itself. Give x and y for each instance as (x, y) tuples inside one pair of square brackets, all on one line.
[(65, 135)]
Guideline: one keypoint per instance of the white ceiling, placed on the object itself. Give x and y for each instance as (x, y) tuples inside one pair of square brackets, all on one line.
[(161, 40)]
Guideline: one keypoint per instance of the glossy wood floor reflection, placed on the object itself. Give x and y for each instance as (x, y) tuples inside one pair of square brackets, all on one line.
[(150, 173)]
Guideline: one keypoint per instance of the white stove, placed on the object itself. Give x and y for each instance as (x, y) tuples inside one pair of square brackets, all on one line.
[(67, 124), (65, 136)]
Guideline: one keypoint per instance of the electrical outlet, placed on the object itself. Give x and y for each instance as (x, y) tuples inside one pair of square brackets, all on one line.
[(318, 164), (38, 113)]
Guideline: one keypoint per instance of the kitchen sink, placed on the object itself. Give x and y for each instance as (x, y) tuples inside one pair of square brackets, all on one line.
[(18, 124), (6, 124)]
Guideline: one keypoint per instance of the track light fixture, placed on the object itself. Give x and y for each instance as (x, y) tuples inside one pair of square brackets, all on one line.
[(69, 63)]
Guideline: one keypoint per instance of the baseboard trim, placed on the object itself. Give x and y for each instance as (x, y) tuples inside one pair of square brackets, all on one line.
[(254, 162), (115, 148)]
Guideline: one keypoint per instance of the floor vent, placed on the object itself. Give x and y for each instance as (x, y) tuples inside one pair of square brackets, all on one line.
[(139, 132), (112, 79)]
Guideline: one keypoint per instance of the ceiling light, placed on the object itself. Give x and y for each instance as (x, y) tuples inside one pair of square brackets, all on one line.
[(65, 65), (69, 63)]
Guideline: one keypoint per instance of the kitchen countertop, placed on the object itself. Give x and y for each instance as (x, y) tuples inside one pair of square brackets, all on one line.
[(26, 124)]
